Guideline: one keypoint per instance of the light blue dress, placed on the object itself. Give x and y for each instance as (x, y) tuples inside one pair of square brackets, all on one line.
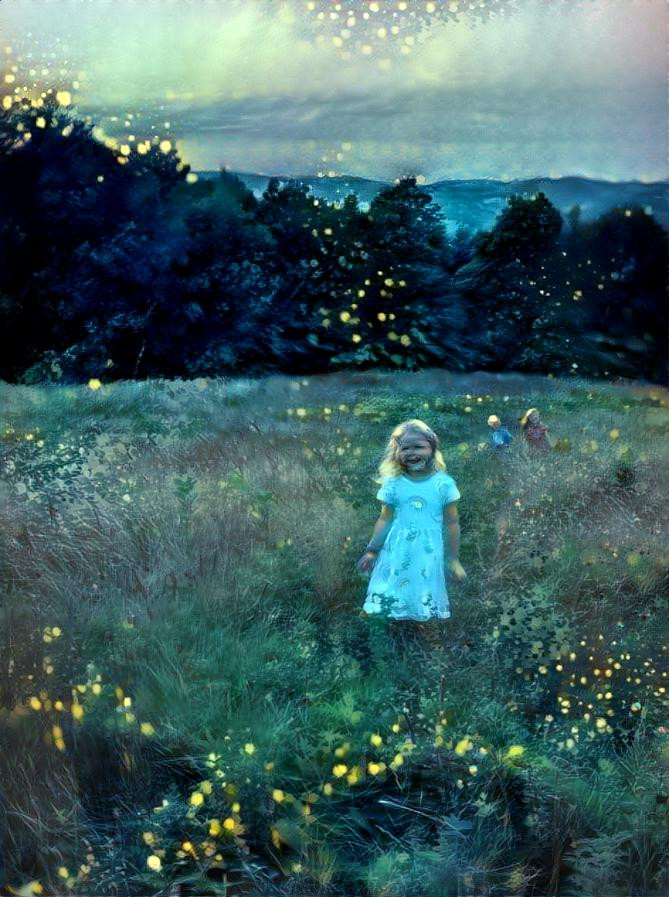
[(408, 581)]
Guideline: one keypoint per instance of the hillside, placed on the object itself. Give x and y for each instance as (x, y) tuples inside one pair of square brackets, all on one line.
[(192, 703)]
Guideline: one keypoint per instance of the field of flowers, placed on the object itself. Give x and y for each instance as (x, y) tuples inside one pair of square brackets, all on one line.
[(191, 702)]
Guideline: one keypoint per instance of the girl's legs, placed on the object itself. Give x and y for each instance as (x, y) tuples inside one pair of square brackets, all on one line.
[(359, 645), (408, 637)]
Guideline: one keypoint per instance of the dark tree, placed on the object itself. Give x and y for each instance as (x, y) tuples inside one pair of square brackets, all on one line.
[(618, 269), (511, 287), (402, 310)]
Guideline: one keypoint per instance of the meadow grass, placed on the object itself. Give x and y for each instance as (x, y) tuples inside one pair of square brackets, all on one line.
[(193, 704)]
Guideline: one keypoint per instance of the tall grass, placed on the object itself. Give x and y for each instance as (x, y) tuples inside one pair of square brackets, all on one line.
[(177, 568)]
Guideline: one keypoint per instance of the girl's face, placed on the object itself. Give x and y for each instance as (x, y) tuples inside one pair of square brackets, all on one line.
[(534, 418), (415, 451)]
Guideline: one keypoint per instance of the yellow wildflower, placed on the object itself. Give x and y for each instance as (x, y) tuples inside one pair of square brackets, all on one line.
[(462, 746), (354, 775)]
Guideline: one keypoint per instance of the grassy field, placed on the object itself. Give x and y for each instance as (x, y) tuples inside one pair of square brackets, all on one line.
[(193, 704)]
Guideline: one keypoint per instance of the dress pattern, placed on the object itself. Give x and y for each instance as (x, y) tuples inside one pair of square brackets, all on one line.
[(408, 581)]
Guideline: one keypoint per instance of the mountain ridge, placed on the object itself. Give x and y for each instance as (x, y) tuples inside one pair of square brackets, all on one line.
[(476, 202)]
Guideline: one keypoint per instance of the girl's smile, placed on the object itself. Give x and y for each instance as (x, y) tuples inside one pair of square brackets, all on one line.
[(415, 452)]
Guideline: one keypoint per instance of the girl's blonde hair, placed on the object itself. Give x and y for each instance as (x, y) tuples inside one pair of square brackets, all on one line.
[(523, 419), (390, 466)]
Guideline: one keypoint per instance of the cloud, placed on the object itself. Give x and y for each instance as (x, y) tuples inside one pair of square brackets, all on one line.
[(558, 85), (602, 131)]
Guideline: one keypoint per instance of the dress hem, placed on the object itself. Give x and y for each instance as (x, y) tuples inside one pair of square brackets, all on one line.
[(377, 613)]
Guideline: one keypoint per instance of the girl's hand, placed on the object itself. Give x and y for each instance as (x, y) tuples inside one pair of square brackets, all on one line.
[(366, 562), (457, 570)]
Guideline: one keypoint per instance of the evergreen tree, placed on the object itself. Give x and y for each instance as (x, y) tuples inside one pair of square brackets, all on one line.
[(401, 311)]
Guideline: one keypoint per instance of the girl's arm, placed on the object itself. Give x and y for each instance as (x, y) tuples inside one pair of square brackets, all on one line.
[(375, 544), (453, 528)]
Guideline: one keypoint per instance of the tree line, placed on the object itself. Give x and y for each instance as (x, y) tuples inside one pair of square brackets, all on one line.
[(115, 264)]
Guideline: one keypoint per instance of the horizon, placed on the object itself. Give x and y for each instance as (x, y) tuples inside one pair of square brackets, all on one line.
[(499, 180)]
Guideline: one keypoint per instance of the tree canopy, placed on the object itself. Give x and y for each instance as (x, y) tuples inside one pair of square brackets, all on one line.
[(119, 263)]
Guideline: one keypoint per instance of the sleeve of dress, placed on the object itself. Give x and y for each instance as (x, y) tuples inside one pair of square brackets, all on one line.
[(448, 491), (387, 493)]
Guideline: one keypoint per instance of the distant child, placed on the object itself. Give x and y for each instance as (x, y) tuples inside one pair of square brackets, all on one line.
[(406, 552), (535, 433), (500, 438)]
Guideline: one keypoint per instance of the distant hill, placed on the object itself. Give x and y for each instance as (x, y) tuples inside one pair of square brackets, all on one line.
[(476, 203)]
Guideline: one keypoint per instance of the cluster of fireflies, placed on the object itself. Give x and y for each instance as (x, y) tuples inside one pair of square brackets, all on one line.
[(31, 78), (385, 29)]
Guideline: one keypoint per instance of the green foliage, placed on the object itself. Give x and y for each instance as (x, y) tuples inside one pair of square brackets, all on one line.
[(118, 266)]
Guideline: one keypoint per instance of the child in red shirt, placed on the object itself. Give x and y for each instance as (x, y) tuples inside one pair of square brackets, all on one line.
[(535, 433)]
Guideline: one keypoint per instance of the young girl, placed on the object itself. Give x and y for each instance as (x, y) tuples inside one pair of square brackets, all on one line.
[(534, 431), (406, 551)]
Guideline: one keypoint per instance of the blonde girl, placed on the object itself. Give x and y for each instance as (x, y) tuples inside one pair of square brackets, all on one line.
[(534, 432), (406, 552)]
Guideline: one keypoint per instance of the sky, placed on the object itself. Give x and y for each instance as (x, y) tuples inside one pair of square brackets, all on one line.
[(451, 89)]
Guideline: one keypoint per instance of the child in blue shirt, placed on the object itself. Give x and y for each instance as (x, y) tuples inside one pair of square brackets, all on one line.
[(500, 438)]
